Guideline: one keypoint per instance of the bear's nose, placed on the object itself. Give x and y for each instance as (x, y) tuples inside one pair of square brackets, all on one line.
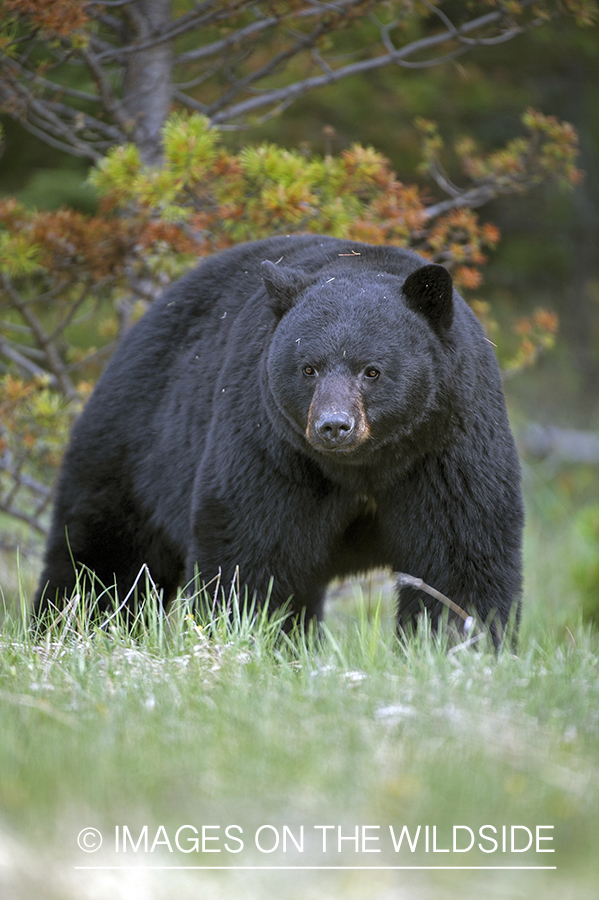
[(334, 427)]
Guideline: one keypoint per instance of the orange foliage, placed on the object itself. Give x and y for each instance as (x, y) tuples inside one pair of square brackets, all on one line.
[(56, 17), (156, 231), (71, 238)]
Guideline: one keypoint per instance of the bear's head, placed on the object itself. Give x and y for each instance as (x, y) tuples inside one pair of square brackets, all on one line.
[(360, 359)]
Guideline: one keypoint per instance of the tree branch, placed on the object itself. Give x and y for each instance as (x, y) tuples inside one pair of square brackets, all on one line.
[(27, 365), (73, 308), (24, 517), (224, 43), (134, 45), (397, 57), (183, 25), (471, 199), (55, 363), (304, 42), (110, 102), (29, 110)]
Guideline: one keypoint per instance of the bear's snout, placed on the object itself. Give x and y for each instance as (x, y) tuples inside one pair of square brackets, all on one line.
[(335, 427), (336, 418)]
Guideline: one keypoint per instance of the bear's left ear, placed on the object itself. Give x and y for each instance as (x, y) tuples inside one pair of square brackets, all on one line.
[(283, 286), (429, 291)]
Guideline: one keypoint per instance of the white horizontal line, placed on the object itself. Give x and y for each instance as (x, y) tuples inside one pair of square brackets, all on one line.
[(319, 868)]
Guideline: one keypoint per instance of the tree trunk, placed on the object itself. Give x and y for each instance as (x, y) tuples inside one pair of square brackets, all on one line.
[(148, 77)]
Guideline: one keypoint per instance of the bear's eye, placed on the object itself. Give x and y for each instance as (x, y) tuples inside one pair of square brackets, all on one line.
[(371, 373), (309, 370)]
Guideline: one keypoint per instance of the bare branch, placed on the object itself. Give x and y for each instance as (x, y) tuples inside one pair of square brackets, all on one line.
[(55, 363), (110, 102), (28, 367), (397, 57), (27, 351), (56, 86), (21, 480), (8, 464), (73, 309), (405, 580), (469, 199), (230, 41), (22, 516), (15, 326), (98, 355), (303, 42), (133, 47), (190, 102), (86, 153), (111, 4), (78, 121), (34, 113), (183, 25)]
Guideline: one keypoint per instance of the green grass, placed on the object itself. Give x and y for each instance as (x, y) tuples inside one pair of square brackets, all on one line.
[(230, 724)]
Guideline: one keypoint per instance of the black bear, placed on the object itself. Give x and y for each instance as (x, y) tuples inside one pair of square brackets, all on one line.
[(295, 410)]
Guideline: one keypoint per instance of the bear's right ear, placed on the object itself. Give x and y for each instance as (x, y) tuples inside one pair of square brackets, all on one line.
[(283, 286), (429, 291)]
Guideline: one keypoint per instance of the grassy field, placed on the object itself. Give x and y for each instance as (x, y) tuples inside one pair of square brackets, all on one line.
[(226, 749)]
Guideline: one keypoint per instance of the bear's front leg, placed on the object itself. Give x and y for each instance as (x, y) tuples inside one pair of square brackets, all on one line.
[(459, 529), (267, 532), (262, 554)]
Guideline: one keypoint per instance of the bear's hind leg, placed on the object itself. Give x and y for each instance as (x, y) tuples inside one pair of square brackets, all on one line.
[(103, 558)]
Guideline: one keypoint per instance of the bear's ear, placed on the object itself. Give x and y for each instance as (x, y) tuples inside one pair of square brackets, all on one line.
[(429, 291), (283, 286)]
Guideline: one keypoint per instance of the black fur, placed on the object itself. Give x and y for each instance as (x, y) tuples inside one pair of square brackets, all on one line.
[(338, 411)]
